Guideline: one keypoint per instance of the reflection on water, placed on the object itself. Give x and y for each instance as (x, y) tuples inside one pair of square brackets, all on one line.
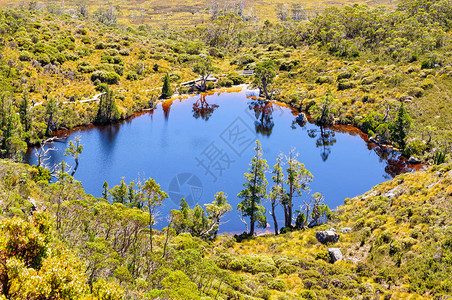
[(155, 145), (203, 109), (325, 140), (263, 112)]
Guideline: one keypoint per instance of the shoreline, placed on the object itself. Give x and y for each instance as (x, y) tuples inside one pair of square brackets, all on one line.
[(349, 129)]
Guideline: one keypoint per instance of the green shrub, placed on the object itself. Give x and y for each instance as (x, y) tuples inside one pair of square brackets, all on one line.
[(236, 264), (41, 174), (263, 267), (83, 51), (288, 65), (86, 39), (324, 255), (368, 80), (236, 78), (225, 82), (243, 60), (287, 268), (308, 294), (344, 75), (26, 56), (324, 79), (215, 52), (277, 284), (210, 85), (345, 85), (416, 147), (100, 45), (43, 59), (427, 84), (105, 77), (132, 76), (71, 56), (124, 52), (85, 67), (416, 92)]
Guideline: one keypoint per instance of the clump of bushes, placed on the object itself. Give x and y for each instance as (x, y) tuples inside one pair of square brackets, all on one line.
[(225, 82), (345, 85), (277, 284), (236, 78), (26, 56), (324, 79), (105, 77)]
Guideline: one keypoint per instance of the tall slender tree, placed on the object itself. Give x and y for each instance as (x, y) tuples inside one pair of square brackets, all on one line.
[(153, 197), (255, 191), (278, 193), (297, 181)]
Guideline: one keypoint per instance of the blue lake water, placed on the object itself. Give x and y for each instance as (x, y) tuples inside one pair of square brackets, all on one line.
[(197, 146)]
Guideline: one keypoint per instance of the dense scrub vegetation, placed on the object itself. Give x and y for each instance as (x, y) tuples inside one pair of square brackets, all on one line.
[(57, 240), (386, 71)]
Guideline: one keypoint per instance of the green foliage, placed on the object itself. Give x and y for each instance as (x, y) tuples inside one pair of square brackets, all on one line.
[(400, 127), (264, 75), (107, 111), (32, 267), (439, 158), (255, 191), (166, 89), (415, 147)]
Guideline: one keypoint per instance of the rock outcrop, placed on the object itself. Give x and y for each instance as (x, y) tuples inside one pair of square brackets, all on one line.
[(335, 254), (327, 236)]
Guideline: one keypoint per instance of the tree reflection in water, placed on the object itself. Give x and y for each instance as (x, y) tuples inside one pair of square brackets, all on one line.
[(263, 112), (203, 109), (325, 140), (395, 163), (166, 106)]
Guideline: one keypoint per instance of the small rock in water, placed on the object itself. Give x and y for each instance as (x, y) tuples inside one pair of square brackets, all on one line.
[(414, 160), (335, 254), (327, 236)]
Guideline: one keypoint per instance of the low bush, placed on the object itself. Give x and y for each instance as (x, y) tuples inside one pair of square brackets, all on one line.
[(105, 77)]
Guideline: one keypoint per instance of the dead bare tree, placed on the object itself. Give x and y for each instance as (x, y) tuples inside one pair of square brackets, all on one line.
[(42, 154)]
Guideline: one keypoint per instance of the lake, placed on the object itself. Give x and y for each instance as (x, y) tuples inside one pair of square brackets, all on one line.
[(203, 144)]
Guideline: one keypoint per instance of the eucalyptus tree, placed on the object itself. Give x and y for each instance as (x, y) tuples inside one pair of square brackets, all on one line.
[(74, 150), (278, 193), (152, 197), (216, 210), (255, 191), (264, 75), (298, 178)]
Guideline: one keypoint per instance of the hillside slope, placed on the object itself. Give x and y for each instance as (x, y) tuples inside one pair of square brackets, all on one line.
[(395, 241)]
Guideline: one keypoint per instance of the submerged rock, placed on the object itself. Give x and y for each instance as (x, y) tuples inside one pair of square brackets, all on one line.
[(327, 236), (414, 160), (335, 254)]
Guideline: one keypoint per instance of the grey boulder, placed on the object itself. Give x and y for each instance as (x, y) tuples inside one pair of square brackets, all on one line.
[(327, 236), (335, 254)]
